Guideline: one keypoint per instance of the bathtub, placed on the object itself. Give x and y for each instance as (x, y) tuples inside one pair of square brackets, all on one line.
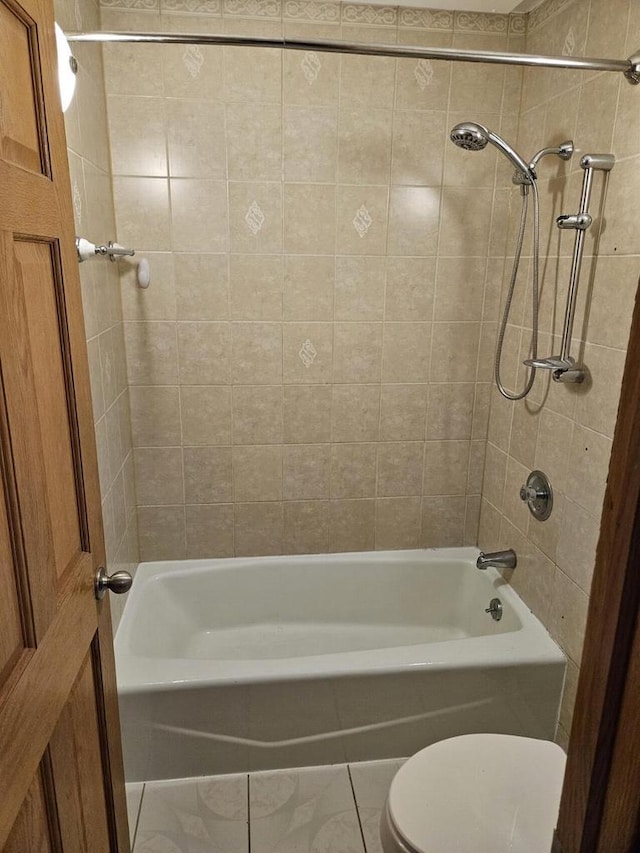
[(232, 665)]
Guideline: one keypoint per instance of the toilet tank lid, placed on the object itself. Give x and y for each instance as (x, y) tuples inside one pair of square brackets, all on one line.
[(477, 793)]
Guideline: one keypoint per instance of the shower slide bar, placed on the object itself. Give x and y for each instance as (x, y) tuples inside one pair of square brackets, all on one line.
[(563, 366), (629, 67)]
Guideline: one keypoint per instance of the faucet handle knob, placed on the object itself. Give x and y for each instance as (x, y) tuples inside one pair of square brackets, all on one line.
[(528, 493), (538, 495)]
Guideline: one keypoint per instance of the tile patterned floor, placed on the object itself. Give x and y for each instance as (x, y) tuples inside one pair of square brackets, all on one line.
[(332, 809)]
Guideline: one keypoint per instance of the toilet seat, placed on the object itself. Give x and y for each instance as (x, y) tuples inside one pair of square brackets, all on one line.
[(481, 793)]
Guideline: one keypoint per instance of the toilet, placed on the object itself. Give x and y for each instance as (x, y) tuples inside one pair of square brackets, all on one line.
[(479, 793)]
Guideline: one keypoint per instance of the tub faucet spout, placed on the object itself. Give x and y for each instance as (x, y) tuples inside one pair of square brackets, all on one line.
[(497, 559)]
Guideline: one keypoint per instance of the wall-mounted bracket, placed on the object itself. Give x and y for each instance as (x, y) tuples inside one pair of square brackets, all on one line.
[(578, 221), (633, 74), (86, 250)]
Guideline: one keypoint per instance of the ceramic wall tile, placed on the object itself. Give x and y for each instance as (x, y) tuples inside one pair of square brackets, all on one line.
[(256, 353), (257, 473), (204, 353), (355, 413), (254, 142), (307, 413), (155, 415), (142, 212), (359, 288), (410, 289), (137, 148), (256, 287), (308, 287), (255, 217), (307, 353), (259, 529), (306, 472), (161, 532), (257, 414), (353, 470), (361, 220), (306, 527), (402, 411), (201, 286), (310, 143), (199, 215), (450, 411), (209, 531), (397, 523), (442, 521), (196, 140), (400, 468), (205, 414), (406, 352), (159, 478), (309, 219), (207, 475), (351, 525), (357, 352)]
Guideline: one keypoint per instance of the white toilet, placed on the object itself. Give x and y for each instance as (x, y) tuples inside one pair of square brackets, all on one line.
[(481, 793)]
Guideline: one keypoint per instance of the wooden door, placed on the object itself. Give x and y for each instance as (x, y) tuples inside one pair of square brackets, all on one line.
[(600, 807), (61, 778)]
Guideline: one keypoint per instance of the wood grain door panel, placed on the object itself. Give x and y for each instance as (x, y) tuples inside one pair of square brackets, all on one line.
[(36, 827), (39, 288), (75, 751), (23, 131), (12, 637)]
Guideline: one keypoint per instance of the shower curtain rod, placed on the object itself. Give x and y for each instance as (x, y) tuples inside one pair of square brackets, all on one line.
[(629, 67)]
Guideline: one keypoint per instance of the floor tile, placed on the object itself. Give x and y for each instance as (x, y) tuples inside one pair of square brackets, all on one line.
[(134, 799), (371, 781), (206, 815), (303, 811)]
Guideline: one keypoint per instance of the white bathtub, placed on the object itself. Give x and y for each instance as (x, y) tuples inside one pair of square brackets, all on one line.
[(244, 664)]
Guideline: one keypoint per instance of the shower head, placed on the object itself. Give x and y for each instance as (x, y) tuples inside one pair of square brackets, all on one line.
[(470, 136), (474, 137)]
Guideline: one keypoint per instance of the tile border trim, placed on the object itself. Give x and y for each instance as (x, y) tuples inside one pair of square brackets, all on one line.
[(332, 11), (547, 10)]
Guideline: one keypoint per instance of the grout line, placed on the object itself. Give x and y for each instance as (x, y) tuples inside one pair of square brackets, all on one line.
[(283, 265), (355, 801), (248, 811), (137, 820)]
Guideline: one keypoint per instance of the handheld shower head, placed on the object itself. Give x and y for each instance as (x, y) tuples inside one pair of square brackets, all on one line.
[(470, 136), (474, 137)]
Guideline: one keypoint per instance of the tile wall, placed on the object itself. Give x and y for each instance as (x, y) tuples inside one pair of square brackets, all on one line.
[(567, 431), (310, 368), (89, 163)]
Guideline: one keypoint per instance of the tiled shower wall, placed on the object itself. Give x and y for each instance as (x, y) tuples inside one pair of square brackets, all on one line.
[(567, 430), (89, 164), (310, 368)]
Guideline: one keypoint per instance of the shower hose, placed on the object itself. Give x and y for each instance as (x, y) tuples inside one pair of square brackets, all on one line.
[(512, 284)]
